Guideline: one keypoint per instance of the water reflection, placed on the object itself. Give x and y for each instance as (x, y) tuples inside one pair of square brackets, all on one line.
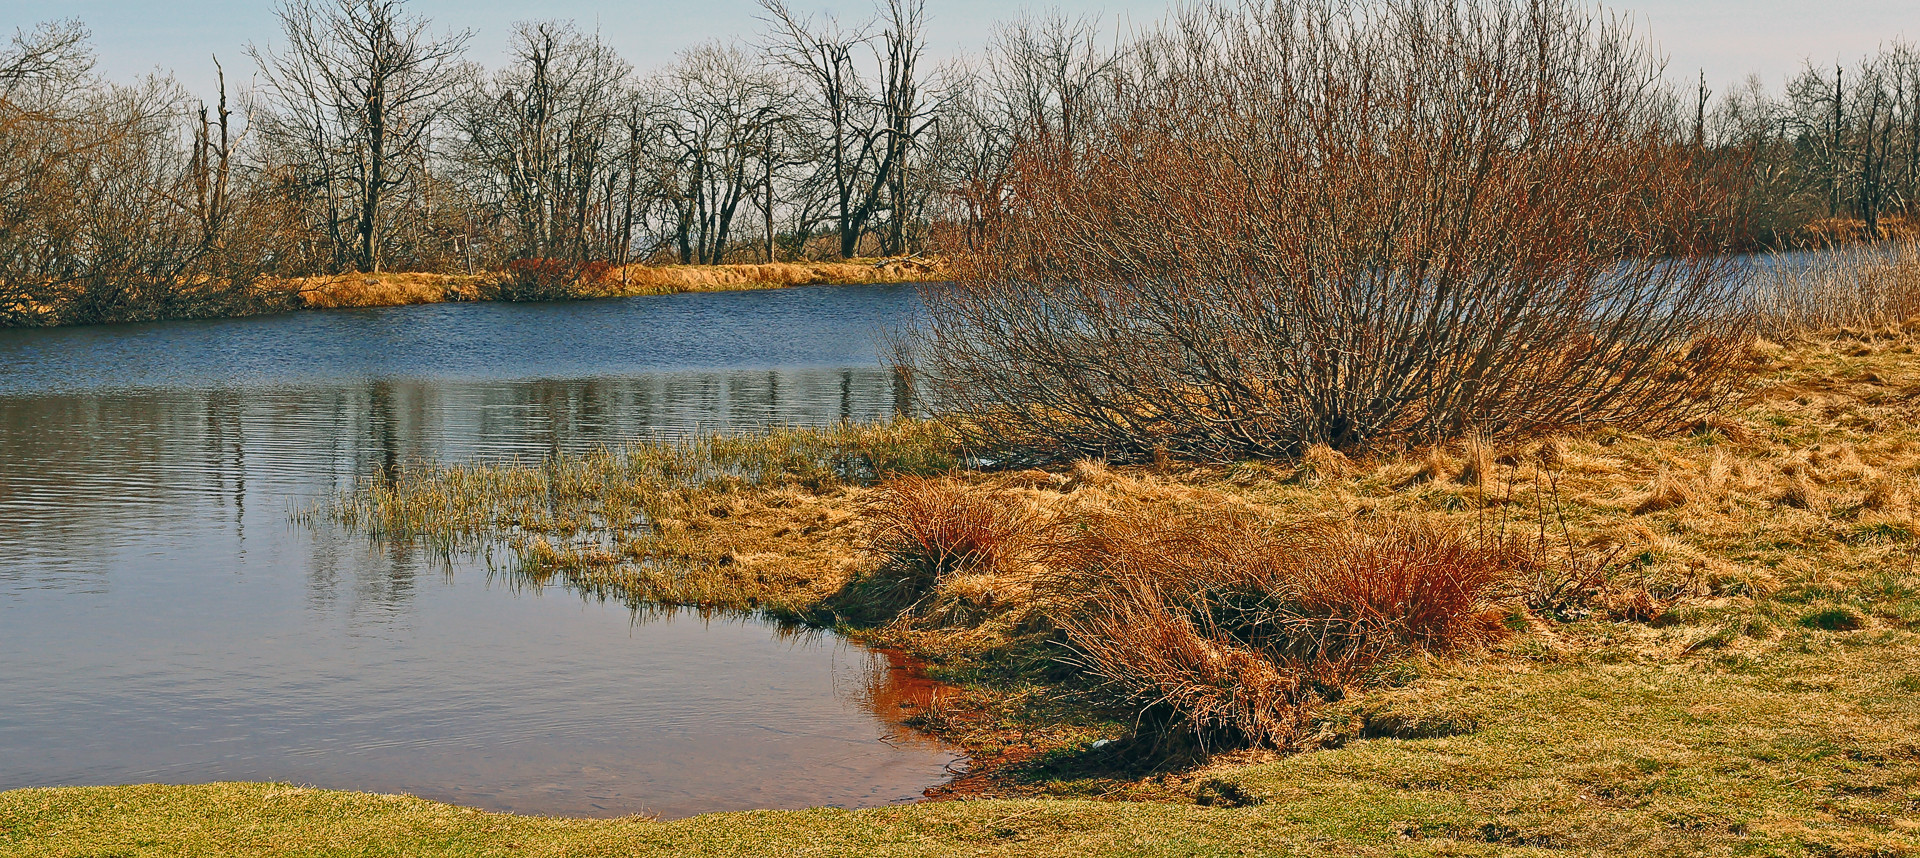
[(87, 476), (165, 620)]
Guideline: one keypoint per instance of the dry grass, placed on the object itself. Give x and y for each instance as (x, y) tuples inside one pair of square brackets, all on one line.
[(1859, 286), (1236, 629), (653, 280), (926, 531), (398, 289), (383, 290)]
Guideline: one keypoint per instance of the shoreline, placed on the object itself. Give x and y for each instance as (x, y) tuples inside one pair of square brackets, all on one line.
[(395, 289)]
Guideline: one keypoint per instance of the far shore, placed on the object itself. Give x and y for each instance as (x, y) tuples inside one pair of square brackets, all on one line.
[(393, 289)]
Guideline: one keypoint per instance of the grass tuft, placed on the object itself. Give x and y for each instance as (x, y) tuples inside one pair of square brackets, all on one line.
[(1235, 631)]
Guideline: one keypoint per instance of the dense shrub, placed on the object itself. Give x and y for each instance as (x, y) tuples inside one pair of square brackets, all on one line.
[(1323, 223)]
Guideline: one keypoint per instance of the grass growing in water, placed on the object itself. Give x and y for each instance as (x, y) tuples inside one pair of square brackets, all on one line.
[(635, 522)]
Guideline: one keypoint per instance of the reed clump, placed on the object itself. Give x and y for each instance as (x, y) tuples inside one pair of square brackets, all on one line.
[(926, 530), (1870, 289)]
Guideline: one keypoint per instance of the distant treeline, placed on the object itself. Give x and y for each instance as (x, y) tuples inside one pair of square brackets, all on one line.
[(369, 141), (1835, 157)]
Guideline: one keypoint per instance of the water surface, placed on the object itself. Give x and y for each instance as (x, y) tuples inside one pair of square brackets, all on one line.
[(163, 619)]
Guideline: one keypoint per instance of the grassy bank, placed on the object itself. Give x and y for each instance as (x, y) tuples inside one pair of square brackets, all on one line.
[(1738, 674), (1808, 751), (397, 289)]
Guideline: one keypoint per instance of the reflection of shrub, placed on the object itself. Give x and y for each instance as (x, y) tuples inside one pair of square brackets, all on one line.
[(1235, 258), (543, 279), (1230, 631)]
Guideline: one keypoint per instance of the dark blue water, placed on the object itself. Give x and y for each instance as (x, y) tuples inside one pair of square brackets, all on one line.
[(163, 619)]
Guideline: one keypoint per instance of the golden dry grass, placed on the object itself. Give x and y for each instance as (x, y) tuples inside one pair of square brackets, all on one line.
[(382, 290), (389, 289)]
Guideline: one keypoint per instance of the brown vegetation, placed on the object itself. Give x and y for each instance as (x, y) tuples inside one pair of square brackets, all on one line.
[(1854, 286), (396, 289), (1241, 256), (1235, 630)]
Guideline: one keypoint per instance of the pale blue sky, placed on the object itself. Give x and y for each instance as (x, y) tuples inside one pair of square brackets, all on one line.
[(1727, 38)]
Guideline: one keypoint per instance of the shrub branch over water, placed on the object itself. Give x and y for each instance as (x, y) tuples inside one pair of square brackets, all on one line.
[(1319, 224)]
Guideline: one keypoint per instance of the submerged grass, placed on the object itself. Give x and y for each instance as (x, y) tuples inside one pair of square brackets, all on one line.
[(649, 522)]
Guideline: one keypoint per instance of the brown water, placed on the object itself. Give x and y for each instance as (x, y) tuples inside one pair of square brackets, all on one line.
[(163, 619)]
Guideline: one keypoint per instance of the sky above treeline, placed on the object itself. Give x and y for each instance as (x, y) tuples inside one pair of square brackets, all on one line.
[(1727, 39)]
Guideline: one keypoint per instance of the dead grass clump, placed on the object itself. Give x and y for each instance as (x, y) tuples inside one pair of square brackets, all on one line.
[(1665, 492), (1435, 466), (1800, 492), (926, 530), (1321, 465), (1186, 675), (1478, 461), (1887, 495), (1088, 473), (1225, 629)]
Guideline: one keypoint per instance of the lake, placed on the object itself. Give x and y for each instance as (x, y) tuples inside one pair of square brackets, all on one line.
[(164, 619)]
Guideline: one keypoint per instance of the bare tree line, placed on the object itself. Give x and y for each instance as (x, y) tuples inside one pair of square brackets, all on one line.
[(366, 140), (1836, 155)]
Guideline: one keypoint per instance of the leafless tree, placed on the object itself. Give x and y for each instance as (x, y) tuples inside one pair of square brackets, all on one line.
[(871, 123), (545, 136), (721, 106), (350, 104)]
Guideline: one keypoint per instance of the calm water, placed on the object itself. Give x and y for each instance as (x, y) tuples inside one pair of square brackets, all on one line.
[(163, 620)]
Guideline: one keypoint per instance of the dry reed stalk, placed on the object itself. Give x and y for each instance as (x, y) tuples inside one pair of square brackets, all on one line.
[(1855, 286)]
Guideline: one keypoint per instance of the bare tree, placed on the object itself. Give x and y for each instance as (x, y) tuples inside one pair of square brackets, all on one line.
[(871, 129), (544, 135), (350, 105), (721, 105)]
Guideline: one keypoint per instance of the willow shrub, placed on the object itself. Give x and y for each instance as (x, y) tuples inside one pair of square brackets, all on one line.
[(1355, 225)]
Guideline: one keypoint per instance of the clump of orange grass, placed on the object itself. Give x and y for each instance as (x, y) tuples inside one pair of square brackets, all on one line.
[(1225, 629), (924, 530)]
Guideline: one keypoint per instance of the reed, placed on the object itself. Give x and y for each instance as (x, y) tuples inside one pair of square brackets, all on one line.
[(1863, 287)]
